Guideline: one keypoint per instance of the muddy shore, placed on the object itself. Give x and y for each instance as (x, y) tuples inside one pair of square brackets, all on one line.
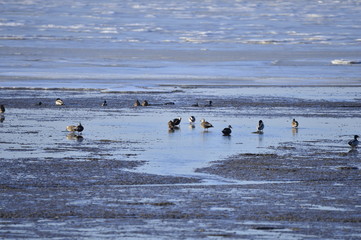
[(55, 186)]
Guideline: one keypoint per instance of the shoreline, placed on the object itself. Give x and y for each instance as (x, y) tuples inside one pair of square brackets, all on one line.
[(176, 87)]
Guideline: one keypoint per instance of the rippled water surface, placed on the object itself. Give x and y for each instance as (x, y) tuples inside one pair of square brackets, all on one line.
[(127, 45)]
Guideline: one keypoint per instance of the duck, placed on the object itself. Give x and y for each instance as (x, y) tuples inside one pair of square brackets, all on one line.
[(171, 125), (195, 105), (191, 119), (354, 142), (169, 103), (2, 108), (177, 121), (205, 124), (73, 128), (59, 102), (227, 131), (79, 128), (145, 103), (209, 104), (137, 103), (104, 103), (294, 123), (260, 126)]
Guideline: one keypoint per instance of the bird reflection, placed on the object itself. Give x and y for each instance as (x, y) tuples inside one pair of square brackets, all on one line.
[(73, 136), (260, 140), (294, 131), (353, 152), (2, 118)]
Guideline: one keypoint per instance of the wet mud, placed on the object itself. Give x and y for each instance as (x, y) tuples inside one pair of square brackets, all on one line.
[(56, 185)]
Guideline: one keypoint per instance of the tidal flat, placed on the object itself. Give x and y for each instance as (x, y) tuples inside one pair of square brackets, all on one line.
[(127, 176)]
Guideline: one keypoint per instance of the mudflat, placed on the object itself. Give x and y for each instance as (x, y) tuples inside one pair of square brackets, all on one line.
[(127, 176)]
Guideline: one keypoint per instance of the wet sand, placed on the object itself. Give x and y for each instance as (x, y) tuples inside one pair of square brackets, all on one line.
[(125, 177)]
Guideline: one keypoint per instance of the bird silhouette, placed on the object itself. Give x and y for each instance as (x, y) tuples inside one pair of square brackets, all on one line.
[(354, 142), (260, 126), (227, 131), (177, 121)]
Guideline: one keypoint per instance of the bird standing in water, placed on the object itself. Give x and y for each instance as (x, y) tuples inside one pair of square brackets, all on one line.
[(171, 125), (206, 124), (2, 108), (137, 103), (79, 128), (177, 121), (104, 103), (227, 131), (191, 119), (209, 104), (73, 128), (260, 126), (294, 123), (59, 102), (354, 142)]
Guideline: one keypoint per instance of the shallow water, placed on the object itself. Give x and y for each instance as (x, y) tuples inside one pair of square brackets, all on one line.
[(136, 45), (245, 56), (183, 150)]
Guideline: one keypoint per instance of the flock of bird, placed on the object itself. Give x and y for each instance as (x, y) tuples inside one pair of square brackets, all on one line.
[(174, 124)]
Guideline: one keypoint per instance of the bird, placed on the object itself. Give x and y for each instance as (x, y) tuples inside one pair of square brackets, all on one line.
[(354, 142), (59, 102), (191, 119), (79, 128), (145, 103), (209, 104), (171, 125), (169, 103), (2, 108), (177, 121), (104, 103), (137, 103), (73, 128), (260, 126), (195, 105), (206, 124), (294, 123), (39, 104), (227, 131)]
